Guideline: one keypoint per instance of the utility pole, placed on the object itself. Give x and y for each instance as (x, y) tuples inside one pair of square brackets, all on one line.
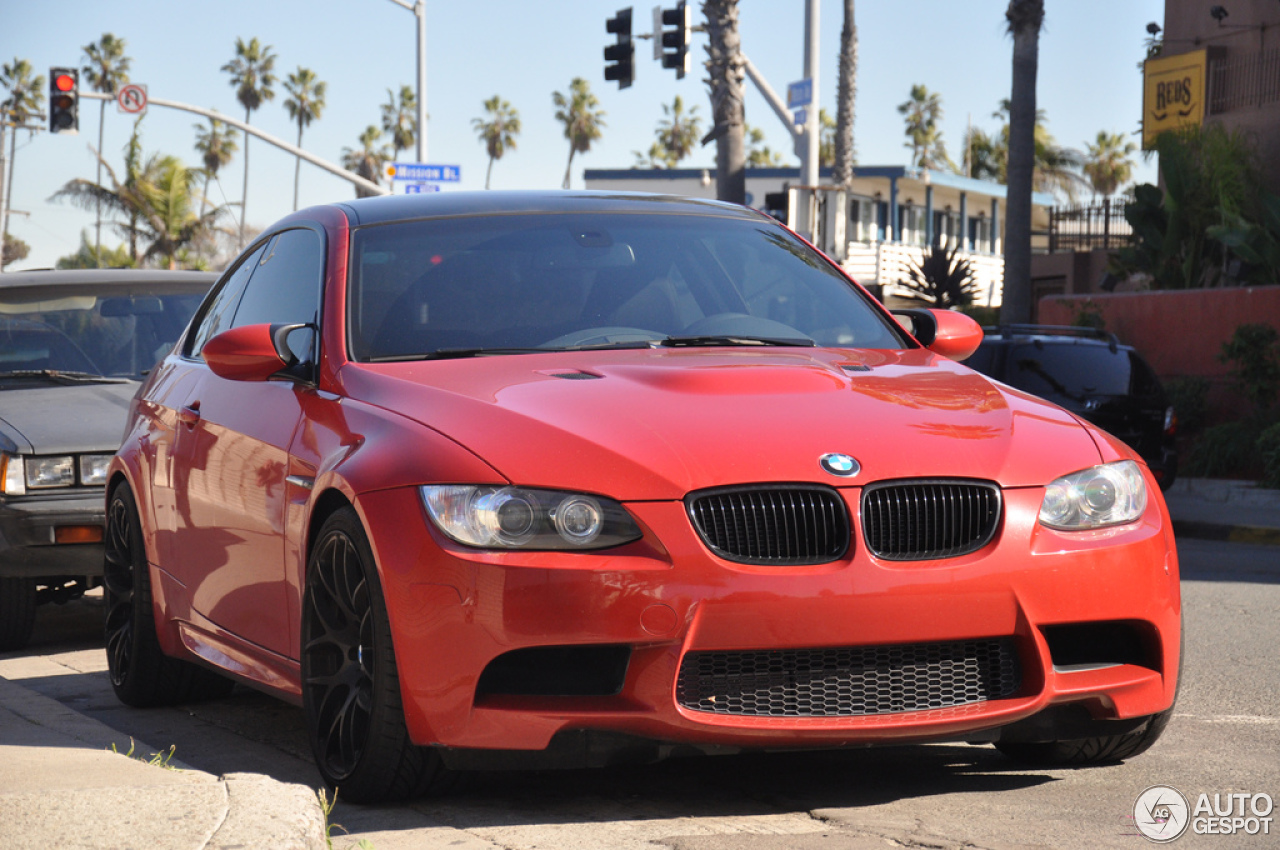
[(419, 10), (809, 154)]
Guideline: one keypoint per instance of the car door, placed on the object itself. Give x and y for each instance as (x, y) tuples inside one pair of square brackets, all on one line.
[(231, 455)]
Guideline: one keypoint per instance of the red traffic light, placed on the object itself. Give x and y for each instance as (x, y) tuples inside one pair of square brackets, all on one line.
[(64, 82), (64, 97)]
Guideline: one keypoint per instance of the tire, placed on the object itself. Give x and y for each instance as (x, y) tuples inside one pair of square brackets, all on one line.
[(141, 674), (1105, 749), (350, 687), (17, 612)]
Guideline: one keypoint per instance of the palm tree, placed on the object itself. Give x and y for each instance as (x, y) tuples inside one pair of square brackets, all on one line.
[(1107, 162), (367, 160), (252, 78), (758, 154), (725, 71), (400, 119), (25, 100), (499, 132), (846, 92), (92, 257), (106, 69), (679, 133), (304, 104), (1025, 19), (216, 144), (985, 155), (657, 157), (157, 199), (922, 112), (826, 139), (582, 117)]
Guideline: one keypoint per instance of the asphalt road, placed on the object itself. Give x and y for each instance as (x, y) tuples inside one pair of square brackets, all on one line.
[(1225, 738)]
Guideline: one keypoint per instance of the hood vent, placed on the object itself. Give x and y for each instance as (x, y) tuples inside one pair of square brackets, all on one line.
[(575, 376)]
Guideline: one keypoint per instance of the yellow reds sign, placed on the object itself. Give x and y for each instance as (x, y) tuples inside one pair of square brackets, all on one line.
[(1173, 94)]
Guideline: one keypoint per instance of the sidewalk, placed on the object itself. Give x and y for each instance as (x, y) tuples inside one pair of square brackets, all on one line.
[(61, 786)]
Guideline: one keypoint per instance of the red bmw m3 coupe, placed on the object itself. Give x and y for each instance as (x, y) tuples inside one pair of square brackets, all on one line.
[(576, 476)]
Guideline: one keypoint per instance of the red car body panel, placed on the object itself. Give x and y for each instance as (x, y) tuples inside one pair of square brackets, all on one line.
[(229, 544)]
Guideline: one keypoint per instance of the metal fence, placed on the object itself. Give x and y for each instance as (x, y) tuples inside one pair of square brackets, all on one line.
[(1249, 79), (1089, 227)]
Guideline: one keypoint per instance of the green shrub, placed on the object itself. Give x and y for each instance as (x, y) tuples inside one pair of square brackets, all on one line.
[(1189, 395), (1225, 450), (985, 316), (1254, 354), (1269, 452), (1088, 314)]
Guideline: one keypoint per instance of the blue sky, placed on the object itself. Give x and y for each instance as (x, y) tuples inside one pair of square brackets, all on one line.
[(524, 51)]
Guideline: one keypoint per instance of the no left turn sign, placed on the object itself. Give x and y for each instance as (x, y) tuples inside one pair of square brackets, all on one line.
[(132, 98)]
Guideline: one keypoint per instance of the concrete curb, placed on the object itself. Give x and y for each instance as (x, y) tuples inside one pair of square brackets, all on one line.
[(62, 786), (1254, 534)]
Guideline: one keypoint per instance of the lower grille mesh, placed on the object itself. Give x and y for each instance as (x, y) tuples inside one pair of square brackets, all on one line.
[(848, 682)]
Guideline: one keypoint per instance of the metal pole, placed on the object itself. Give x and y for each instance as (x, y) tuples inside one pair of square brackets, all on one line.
[(420, 11), (809, 159), (266, 137)]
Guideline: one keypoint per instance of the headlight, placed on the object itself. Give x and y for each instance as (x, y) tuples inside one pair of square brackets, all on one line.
[(518, 518), (93, 469), (57, 471), (1111, 494)]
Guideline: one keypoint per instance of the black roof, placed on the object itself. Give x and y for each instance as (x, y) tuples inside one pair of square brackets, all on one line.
[(402, 207)]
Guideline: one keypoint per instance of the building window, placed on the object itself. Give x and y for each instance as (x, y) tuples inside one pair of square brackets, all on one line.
[(863, 220), (980, 235), (911, 227)]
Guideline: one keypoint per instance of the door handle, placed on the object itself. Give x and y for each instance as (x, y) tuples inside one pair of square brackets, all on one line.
[(189, 415)]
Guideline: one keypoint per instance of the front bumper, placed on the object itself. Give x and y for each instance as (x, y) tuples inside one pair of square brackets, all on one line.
[(1056, 598), (30, 528)]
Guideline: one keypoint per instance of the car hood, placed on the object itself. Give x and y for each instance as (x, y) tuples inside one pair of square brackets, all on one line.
[(47, 419), (657, 424)]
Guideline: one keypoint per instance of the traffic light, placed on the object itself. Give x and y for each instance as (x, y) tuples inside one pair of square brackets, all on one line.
[(675, 42), (64, 100), (623, 53)]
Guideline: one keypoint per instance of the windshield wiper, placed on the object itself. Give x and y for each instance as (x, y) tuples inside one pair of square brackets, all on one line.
[(731, 339), (63, 376), (456, 354)]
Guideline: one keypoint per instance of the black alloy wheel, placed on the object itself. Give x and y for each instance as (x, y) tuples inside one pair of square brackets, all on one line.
[(350, 687), (141, 674)]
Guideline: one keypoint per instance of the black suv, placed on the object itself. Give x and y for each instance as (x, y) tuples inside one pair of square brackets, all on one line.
[(1088, 372)]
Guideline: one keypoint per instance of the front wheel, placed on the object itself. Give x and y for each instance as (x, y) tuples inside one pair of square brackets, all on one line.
[(17, 612), (141, 674), (1105, 749), (350, 687)]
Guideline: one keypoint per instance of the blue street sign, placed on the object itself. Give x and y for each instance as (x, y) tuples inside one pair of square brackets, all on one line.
[(801, 117), (421, 171), (800, 94)]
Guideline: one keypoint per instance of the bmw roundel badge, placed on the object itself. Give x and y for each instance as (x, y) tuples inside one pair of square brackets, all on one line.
[(839, 464)]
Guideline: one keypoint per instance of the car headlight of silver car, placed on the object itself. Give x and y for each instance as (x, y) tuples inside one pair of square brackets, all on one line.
[(1110, 494), (21, 474), (520, 518)]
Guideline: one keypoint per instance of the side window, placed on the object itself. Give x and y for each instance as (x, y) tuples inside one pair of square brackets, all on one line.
[(285, 287), (216, 317)]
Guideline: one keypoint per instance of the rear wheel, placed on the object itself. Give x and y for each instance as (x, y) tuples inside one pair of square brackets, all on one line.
[(350, 687), (17, 612), (141, 674)]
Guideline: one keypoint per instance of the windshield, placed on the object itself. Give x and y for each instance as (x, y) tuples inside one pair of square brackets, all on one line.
[(112, 332), (517, 283), (1069, 372)]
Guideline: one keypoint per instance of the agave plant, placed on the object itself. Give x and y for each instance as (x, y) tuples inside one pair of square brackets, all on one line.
[(942, 279)]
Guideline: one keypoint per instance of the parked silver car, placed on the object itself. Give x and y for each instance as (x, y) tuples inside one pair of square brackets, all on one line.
[(74, 346)]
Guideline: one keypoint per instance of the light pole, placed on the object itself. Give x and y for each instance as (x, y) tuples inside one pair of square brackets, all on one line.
[(419, 9)]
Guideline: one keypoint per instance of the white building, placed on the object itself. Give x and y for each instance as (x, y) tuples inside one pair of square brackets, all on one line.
[(878, 228)]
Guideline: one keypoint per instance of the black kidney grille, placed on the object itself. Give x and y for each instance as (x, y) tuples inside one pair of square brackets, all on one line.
[(848, 682), (921, 520), (783, 526)]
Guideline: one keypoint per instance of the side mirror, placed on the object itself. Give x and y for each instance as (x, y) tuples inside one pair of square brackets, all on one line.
[(251, 352), (944, 332)]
